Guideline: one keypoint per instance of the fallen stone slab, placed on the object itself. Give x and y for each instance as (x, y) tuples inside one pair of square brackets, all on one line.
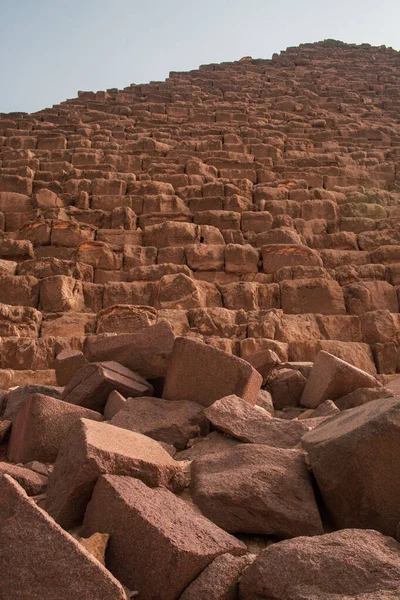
[(158, 543), (168, 421), (147, 352), (332, 378), (202, 373), (252, 424), (93, 449), (91, 386), (219, 580), (342, 565), (355, 457), (15, 398), (33, 483), (40, 560), (257, 489), (41, 426)]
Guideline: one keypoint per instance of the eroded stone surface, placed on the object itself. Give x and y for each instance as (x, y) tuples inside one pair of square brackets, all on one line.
[(257, 489), (253, 424), (152, 535), (172, 422), (344, 565), (203, 374), (93, 449), (354, 457), (39, 559)]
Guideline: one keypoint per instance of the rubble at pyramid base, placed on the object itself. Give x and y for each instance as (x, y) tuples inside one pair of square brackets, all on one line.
[(199, 335)]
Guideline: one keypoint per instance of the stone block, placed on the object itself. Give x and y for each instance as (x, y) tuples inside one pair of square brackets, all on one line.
[(154, 534), (354, 457), (61, 294), (332, 378), (33, 483), (19, 321), (93, 449), (19, 290), (40, 427), (253, 424), (256, 489), (171, 422), (147, 352), (91, 385), (67, 363), (59, 569), (277, 256), (312, 296), (203, 374), (350, 563)]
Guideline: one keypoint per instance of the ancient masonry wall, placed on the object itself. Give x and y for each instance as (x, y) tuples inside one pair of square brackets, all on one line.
[(252, 204)]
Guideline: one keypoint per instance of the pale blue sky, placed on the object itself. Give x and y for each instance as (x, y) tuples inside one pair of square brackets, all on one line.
[(50, 49)]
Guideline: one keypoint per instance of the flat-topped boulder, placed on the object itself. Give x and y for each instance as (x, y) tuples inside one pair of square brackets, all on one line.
[(168, 421), (257, 489)]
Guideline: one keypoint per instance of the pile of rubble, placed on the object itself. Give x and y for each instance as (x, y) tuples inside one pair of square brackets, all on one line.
[(184, 479)]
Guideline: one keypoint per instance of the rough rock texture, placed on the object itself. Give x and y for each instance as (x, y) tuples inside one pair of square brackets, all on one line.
[(214, 442), (40, 560), (16, 398), (362, 396), (257, 489), (332, 378), (33, 483), (219, 580), (67, 363), (158, 543), (172, 422), (343, 565), (204, 374), (41, 426), (91, 386), (355, 458), (96, 544), (115, 403), (93, 449), (147, 352), (253, 424)]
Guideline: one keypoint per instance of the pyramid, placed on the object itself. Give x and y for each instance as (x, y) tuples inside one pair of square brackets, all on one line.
[(254, 205)]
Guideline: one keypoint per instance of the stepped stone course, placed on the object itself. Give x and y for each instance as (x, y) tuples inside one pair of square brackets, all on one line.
[(248, 186)]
